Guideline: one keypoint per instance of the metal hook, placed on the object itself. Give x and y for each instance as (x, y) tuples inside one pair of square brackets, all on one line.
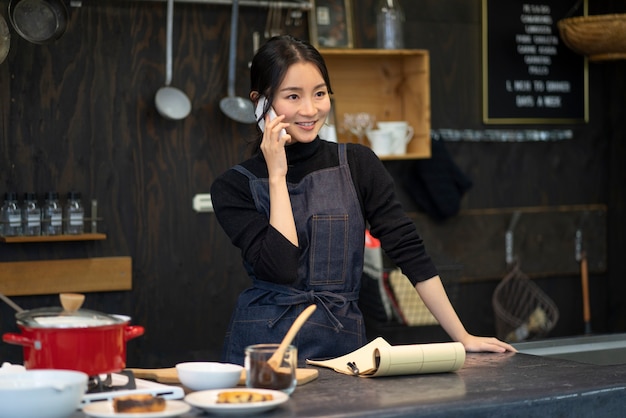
[(508, 238), (579, 248)]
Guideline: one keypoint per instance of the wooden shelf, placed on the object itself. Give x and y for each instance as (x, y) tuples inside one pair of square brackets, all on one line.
[(47, 277), (391, 84), (53, 238)]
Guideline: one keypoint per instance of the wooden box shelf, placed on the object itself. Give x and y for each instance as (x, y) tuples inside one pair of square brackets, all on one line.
[(390, 84)]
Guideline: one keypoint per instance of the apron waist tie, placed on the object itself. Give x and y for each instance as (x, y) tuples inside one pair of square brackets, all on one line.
[(290, 297)]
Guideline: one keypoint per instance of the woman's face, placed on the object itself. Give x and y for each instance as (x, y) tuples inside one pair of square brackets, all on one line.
[(304, 100)]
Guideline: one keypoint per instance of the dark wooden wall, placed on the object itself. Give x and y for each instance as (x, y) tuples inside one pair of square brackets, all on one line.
[(79, 114)]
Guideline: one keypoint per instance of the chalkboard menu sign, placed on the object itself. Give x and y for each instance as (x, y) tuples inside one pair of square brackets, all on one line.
[(529, 74)]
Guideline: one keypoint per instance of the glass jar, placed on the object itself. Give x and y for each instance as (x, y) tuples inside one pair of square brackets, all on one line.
[(31, 215), (73, 215), (389, 25), (10, 216), (52, 215)]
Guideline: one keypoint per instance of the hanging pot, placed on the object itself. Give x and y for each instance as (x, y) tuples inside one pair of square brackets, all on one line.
[(5, 39), (87, 341), (39, 21)]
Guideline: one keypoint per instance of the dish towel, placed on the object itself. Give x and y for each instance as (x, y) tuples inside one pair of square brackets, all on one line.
[(437, 184)]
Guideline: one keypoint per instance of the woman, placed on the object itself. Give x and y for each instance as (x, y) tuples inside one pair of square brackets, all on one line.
[(298, 210)]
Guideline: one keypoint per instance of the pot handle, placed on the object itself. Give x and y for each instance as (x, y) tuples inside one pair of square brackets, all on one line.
[(19, 339), (133, 331)]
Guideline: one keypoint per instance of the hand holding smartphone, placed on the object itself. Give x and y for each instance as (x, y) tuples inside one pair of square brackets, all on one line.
[(259, 111)]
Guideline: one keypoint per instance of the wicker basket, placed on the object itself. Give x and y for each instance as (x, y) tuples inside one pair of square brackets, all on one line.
[(522, 310), (599, 37)]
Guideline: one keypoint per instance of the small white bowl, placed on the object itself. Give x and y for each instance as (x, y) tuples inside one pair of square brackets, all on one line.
[(41, 393), (204, 375)]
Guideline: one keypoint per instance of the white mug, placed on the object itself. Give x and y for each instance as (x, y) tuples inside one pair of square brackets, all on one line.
[(401, 132), (382, 141)]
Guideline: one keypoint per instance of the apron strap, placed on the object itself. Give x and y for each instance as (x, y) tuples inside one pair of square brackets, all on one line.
[(289, 297)]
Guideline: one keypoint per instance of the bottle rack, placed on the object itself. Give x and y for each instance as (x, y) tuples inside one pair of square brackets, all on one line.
[(88, 236), (54, 238)]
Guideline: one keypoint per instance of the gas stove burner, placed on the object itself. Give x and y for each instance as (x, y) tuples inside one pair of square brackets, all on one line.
[(97, 384), (117, 384)]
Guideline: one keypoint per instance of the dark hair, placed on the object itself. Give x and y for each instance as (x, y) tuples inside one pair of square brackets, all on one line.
[(273, 59)]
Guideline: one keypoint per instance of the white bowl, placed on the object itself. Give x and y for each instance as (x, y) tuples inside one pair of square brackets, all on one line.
[(41, 393), (204, 375)]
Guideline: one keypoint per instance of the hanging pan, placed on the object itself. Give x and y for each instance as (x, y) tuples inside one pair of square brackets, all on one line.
[(5, 39), (39, 21)]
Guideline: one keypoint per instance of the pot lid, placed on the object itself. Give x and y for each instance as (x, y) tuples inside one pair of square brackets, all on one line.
[(56, 317)]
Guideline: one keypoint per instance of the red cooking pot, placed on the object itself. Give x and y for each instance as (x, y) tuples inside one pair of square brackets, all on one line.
[(84, 340)]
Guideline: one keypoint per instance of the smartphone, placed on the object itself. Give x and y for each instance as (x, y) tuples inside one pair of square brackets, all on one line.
[(259, 111)]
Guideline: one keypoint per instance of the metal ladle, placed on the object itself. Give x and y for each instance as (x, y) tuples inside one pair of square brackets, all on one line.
[(11, 303), (171, 102), (236, 108)]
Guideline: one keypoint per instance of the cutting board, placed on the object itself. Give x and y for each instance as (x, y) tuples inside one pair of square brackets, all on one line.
[(170, 375)]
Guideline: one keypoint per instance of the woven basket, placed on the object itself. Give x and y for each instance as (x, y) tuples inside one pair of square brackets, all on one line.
[(522, 310), (599, 37)]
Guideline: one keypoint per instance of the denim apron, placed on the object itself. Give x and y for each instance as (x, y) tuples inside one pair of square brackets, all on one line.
[(331, 233)]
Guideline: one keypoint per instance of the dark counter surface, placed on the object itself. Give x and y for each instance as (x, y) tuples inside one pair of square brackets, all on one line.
[(487, 385)]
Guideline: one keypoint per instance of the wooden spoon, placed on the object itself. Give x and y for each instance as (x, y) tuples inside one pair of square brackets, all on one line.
[(277, 358), (71, 302), (267, 374)]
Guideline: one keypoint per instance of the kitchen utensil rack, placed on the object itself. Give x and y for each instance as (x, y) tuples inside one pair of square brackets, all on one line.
[(304, 5)]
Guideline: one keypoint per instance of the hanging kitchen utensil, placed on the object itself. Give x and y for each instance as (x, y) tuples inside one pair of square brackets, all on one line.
[(584, 278), (171, 102), (236, 108), (522, 310), (5, 39), (276, 21), (11, 303), (581, 257), (39, 21)]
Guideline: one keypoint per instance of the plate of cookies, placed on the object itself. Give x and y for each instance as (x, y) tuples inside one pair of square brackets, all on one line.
[(136, 406), (236, 401)]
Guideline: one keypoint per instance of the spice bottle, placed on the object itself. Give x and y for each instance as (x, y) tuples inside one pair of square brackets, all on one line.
[(31, 215), (390, 25), (52, 215), (73, 214), (10, 216)]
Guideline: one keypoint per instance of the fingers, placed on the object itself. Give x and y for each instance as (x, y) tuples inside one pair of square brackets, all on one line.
[(488, 344), (274, 127)]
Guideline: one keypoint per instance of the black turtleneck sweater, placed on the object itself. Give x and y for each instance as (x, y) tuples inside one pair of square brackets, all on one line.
[(273, 257)]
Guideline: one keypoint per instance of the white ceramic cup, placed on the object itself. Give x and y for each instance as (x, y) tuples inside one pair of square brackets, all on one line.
[(401, 133), (382, 142)]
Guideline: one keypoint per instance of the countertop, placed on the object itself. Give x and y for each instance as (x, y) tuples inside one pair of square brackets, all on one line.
[(488, 384)]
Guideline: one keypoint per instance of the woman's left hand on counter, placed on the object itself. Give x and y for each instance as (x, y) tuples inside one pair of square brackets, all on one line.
[(473, 343)]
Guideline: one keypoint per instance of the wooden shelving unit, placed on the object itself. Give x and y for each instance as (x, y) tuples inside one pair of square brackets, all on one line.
[(391, 84)]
